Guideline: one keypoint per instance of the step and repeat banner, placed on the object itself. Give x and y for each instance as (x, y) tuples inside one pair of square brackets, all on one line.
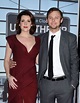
[(41, 24)]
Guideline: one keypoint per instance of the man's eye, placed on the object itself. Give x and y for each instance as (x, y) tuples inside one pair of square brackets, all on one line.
[(56, 17), (50, 18)]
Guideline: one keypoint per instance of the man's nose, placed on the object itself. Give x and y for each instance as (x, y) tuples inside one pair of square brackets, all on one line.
[(53, 19)]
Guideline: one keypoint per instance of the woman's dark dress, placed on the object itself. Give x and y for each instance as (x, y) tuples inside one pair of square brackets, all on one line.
[(24, 72)]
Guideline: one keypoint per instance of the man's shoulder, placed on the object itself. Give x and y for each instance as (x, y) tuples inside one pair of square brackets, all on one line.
[(43, 34), (67, 33)]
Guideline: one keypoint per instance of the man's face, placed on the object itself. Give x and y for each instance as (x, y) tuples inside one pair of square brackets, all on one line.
[(54, 20)]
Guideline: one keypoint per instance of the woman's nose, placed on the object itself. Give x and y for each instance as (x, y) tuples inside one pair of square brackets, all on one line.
[(25, 23)]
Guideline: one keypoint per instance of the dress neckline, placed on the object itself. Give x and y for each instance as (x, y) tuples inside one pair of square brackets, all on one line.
[(31, 48)]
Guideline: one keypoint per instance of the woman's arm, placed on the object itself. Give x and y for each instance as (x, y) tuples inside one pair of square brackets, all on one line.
[(11, 79), (7, 59)]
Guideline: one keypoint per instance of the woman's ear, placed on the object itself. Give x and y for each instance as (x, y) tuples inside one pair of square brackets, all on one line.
[(19, 24)]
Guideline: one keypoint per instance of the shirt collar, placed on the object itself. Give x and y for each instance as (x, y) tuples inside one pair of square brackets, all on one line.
[(57, 34)]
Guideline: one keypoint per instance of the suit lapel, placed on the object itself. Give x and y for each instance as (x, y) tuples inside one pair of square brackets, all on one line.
[(46, 43), (45, 50), (62, 48)]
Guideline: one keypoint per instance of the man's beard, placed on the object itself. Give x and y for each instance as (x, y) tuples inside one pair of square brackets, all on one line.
[(54, 28)]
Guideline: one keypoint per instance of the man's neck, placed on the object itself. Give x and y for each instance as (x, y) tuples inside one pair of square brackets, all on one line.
[(54, 30)]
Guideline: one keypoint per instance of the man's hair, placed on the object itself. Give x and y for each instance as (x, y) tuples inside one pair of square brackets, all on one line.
[(54, 9)]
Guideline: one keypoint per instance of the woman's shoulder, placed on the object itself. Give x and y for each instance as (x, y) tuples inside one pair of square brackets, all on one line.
[(12, 37), (11, 40)]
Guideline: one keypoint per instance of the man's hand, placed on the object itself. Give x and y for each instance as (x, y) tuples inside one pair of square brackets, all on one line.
[(12, 63)]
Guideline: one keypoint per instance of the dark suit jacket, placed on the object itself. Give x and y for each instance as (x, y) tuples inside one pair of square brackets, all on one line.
[(68, 56)]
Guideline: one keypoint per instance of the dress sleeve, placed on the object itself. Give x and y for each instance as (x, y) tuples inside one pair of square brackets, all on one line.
[(10, 40)]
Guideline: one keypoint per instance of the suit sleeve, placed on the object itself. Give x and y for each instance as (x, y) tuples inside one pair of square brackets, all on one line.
[(74, 61)]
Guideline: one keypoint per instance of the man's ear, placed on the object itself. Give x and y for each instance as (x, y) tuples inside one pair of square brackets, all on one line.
[(61, 20)]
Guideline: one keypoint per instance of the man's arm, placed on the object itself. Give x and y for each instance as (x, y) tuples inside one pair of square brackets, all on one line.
[(74, 62), (12, 63)]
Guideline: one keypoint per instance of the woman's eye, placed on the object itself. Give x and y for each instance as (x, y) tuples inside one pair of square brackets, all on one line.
[(28, 20), (22, 20)]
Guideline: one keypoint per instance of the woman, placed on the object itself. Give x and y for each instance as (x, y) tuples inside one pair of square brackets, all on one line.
[(24, 47)]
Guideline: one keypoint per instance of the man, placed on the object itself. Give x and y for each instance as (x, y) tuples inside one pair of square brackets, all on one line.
[(65, 73), (65, 62)]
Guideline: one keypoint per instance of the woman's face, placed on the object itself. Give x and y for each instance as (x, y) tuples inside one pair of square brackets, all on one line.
[(25, 23)]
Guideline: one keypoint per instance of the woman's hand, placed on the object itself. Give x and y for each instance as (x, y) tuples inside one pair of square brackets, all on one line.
[(12, 81)]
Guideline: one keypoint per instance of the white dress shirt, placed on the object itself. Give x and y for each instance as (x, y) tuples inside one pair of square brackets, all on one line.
[(57, 67)]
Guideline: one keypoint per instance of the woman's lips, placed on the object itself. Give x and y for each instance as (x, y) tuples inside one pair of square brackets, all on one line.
[(25, 27)]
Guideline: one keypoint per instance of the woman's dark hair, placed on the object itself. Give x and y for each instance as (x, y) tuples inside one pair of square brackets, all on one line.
[(54, 9), (26, 12)]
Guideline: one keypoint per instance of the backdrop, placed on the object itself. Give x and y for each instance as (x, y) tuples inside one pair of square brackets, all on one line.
[(8, 13)]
